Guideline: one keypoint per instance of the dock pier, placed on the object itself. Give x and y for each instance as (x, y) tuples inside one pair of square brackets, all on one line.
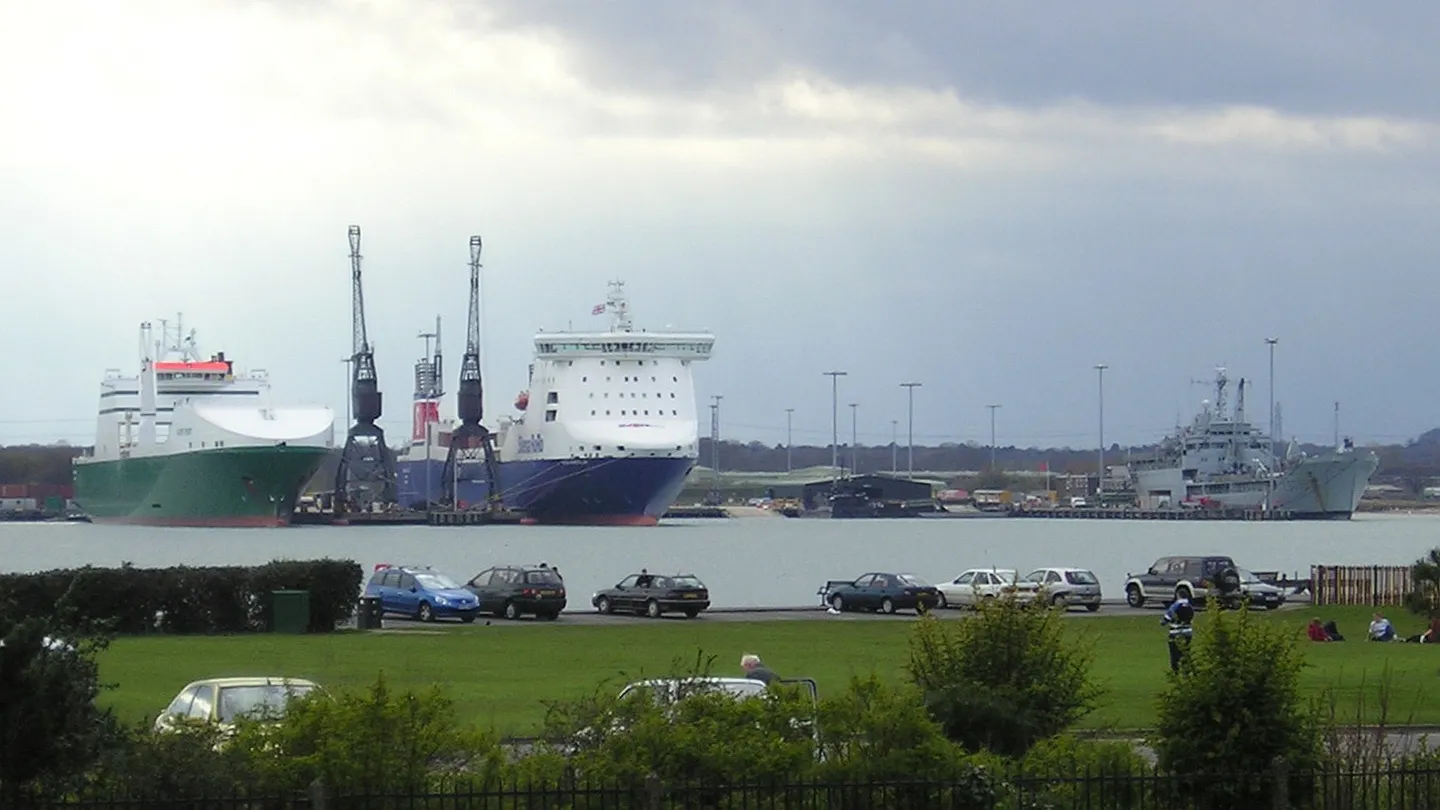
[(1130, 513)]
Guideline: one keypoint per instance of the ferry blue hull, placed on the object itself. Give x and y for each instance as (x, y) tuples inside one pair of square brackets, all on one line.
[(603, 491)]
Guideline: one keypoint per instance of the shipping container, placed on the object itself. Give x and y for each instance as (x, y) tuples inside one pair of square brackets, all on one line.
[(54, 505), (13, 490), (17, 504)]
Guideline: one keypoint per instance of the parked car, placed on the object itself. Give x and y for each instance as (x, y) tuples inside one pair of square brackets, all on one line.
[(221, 701), (882, 591), (975, 585), (654, 595), (423, 593), (1260, 593), (513, 591), (1064, 587), (1195, 578)]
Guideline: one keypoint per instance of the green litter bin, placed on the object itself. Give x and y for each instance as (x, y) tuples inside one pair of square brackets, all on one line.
[(289, 611)]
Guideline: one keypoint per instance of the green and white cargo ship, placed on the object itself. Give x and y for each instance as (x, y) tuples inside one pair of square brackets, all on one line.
[(189, 442)]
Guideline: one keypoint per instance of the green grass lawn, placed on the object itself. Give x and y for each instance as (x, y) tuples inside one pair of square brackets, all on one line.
[(499, 676)]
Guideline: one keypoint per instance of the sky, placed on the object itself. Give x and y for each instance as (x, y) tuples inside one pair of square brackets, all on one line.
[(987, 198)]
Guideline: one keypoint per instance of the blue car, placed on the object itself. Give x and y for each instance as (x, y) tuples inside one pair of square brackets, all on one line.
[(421, 593)]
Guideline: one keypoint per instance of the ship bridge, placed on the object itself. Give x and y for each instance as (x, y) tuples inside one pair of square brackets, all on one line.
[(568, 345)]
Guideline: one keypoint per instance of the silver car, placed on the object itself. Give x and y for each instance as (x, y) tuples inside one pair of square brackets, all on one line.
[(1064, 587)]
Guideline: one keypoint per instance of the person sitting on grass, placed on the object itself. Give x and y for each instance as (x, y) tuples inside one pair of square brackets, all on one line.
[(1381, 629), (1430, 636), (1316, 631), (1333, 631)]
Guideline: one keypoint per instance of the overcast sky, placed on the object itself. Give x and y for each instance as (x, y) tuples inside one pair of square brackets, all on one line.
[(988, 198)]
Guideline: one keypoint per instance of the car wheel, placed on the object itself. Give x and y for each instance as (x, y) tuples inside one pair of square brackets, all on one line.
[(603, 606), (942, 602), (887, 606), (512, 611), (837, 602), (550, 615), (691, 613), (1133, 597), (425, 614), (468, 619), (1059, 600), (652, 609), (1092, 607)]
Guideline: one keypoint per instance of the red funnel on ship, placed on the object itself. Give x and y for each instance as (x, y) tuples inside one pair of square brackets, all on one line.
[(523, 401)]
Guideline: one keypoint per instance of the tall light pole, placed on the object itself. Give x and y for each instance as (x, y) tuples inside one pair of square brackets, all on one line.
[(834, 419), (910, 451), (854, 458), (1100, 477), (894, 446), (349, 390), (789, 420), (1272, 341), (992, 435), (715, 439)]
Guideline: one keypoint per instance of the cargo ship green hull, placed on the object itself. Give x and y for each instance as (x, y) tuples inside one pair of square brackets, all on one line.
[(232, 486)]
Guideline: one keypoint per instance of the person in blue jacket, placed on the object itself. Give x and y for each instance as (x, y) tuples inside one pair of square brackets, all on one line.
[(1180, 617)]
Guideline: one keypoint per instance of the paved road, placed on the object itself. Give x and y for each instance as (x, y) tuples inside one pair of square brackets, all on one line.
[(779, 614)]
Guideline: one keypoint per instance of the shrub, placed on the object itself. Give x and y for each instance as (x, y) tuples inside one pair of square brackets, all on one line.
[(1424, 596), (52, 729), (1004, 678), (183, 599), (1234, 708)]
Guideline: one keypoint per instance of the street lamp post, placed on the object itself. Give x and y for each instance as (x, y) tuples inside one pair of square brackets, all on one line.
[(910, 450), (1272, 341), (992, 435), (834, 419), (789, 420), (1100, 477), (854, 457), (894, 446)]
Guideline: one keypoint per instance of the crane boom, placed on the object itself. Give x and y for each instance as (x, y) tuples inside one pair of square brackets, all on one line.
[(470, 436), (366, 473)]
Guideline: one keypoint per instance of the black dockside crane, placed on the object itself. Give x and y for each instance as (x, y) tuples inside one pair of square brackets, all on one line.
[(470, 439), (366, 475)]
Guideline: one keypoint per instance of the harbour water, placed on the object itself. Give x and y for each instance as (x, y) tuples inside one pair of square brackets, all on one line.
[(747, 562)]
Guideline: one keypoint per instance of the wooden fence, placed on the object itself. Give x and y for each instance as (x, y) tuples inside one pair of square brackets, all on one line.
[(1360, 584)]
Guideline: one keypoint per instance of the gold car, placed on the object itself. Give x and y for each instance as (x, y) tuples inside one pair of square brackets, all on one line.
[(219, 701)]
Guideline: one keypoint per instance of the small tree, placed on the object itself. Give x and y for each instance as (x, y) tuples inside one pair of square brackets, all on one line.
[(1424, 598), (1234, 708), (50, 728), (1003, 679)]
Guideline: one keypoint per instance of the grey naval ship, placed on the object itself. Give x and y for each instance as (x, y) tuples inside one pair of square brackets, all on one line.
[(1220, 459)]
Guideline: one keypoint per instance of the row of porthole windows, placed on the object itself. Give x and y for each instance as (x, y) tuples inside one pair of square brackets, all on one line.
[(637, 413), (621, 395), (631, 379)]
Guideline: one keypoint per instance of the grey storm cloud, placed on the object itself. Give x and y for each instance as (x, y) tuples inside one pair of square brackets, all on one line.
[(1319, 58)]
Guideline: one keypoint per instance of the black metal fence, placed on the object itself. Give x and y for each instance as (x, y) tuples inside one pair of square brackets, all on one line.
[(1383, 788)]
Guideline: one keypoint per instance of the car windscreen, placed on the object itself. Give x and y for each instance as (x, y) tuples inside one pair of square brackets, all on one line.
[(912, 581), (1080, 578), (1247, 577), (546, 577), (269, 699), (686, 582), (436, 582)]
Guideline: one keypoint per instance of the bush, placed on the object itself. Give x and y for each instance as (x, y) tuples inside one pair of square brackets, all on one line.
[(1003, 679), (183, 599), (1424, 597), (1234, 708), (52, 729)]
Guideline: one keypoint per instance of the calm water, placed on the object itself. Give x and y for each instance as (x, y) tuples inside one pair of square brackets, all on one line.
[(747, 562)]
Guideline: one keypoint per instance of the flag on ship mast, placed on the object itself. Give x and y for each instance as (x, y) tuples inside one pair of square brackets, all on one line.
[(598, 309)]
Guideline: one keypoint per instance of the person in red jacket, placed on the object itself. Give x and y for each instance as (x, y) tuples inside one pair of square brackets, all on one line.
[(1316, 631)]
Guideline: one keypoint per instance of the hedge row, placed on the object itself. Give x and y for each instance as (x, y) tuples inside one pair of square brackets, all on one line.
[(229, 599)]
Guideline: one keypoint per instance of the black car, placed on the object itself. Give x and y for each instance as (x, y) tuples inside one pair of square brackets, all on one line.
[(513, 591), (655, 594), (880, 591)]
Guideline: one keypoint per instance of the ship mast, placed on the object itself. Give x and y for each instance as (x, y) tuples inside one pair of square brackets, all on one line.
[(366, 474), (471, 437)]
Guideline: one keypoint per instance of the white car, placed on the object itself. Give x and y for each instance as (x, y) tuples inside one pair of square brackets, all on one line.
[(1064, 587), (976, 584)]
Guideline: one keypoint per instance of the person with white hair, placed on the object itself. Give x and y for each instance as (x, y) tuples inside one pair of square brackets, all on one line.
[(750, 662)]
